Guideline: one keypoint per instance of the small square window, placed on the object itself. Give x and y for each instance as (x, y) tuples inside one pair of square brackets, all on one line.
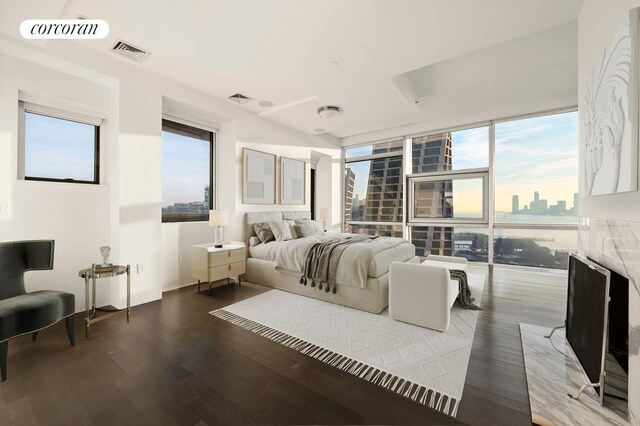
[(60, 150)]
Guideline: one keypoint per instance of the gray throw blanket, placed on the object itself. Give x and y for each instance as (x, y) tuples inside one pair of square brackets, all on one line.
[(321, 263), (464, 296)]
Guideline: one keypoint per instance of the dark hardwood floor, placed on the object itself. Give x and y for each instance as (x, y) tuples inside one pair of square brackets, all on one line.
[(176, 364)]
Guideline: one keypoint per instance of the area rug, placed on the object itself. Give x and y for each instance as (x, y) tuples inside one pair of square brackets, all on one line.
[(424, 365)]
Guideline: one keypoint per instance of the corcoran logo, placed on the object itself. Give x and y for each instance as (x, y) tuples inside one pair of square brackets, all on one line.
[(64, 29)]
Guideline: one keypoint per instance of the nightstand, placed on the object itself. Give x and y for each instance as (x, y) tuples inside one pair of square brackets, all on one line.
[(212, 264)]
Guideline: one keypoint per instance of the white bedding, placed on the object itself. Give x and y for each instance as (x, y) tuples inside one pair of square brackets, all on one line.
[(358, 261)]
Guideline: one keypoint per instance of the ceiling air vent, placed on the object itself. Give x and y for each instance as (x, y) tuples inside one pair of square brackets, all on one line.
[(130, 51), (240, 98)]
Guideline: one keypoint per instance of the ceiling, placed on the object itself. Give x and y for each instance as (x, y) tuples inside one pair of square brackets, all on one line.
[(374, 58)]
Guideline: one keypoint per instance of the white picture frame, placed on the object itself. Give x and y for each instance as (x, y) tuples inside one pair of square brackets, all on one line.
[(293, 181), (258, 177), (608, 105)]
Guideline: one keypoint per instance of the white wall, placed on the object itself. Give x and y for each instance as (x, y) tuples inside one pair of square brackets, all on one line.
[(598, 22), (125, 211), (76, 216)]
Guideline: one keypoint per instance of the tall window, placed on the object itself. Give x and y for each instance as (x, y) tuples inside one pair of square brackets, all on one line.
[(448, 193), (373, 189), (59, 149), (187, 172), (536, 198), (518, 206)]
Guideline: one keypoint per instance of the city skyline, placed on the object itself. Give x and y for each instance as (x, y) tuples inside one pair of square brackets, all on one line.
[(541, 206)]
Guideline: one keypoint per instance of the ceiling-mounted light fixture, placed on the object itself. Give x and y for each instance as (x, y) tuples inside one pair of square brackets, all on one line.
[(329, 111)]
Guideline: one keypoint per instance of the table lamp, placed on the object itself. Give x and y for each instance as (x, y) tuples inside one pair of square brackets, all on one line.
[(218, 219), (324, 215)]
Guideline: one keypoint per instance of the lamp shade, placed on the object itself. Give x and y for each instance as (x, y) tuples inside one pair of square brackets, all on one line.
[(218, 217), (324, 213)]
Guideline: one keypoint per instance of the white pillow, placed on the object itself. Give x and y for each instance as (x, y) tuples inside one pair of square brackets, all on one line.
[(307, 227), (292, 224), (281, 230)]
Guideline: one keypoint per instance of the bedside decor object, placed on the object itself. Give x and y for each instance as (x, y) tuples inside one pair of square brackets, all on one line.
[(105, 251), (90, 275), (218, 219), (292, 181), (608, 103), (258, 177), (324, 215), (213, 264)]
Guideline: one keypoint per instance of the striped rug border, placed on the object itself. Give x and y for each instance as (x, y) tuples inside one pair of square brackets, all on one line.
[(421, 394)]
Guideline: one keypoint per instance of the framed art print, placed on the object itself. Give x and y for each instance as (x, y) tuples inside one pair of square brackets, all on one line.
[(292, 181), (258, 177)]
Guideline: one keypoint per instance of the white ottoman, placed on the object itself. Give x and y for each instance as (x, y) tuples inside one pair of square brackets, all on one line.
[(424, 294)]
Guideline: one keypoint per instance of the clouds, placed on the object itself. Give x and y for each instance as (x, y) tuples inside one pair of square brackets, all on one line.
[(537, 154)]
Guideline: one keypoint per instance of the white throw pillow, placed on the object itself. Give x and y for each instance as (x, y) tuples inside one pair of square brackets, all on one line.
[(307, 227), (292, 224), (281, 230), (254, 241)]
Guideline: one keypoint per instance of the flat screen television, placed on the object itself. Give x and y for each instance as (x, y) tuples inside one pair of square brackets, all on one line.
[(587, 316), (597, 317)]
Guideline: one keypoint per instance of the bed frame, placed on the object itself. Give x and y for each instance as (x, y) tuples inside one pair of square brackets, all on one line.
[(373, 298)]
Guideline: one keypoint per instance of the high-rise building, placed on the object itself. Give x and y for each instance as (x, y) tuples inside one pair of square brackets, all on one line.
[(206, 196), (349, 181), (433, 199), (384, 199), (515, 204)]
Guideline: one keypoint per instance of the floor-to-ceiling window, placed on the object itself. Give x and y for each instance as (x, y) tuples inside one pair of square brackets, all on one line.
[(373, 190), (448, 211), (536, 190), (504, 192)]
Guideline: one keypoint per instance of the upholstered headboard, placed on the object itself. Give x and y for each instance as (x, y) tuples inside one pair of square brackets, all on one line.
[(269, 216)]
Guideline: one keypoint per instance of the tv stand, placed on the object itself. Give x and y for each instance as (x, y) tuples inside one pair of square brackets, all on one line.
[(554, 383), (553, 330), (586, 386)]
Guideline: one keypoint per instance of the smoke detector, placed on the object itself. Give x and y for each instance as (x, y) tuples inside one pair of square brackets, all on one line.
[(130, 51), (329, 111), (239, 98)]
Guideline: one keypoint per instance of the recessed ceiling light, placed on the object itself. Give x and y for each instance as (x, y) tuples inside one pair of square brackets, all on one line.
[(329, 111), (319, 130), (265, 104)]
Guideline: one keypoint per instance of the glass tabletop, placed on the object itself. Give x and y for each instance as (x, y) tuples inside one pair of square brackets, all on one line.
[(100, 271)]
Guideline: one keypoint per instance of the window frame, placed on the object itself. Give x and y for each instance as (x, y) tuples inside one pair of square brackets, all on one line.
[(97, 123), (440, 176), (488, 222), (213, 169), (399, 153)]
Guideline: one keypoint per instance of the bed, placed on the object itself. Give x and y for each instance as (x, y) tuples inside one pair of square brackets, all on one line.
[(362, 273)]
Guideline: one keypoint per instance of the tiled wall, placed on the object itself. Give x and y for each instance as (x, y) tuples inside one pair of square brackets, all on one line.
[(616, 244)]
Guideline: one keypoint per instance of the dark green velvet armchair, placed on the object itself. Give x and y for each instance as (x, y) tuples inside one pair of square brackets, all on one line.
[(22, 312)]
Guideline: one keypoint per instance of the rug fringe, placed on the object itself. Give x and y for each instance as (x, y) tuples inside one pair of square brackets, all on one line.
[(418, 393)]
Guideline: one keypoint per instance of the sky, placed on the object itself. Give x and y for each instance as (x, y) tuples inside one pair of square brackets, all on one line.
[(185, 168), (537, 154), (58, 149), (534, 154)]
